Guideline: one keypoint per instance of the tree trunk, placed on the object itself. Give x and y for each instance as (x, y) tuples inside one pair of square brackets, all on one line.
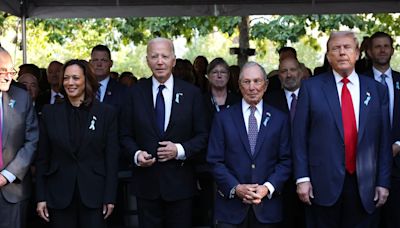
[(243, 40)]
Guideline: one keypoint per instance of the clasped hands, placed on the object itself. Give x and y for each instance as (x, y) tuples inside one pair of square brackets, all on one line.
[(167, 151), (251, 193)]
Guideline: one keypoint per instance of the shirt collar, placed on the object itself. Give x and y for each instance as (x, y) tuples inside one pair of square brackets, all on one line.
[(169, 84), (352, 77), (289, 93), (104, 82), (388, 72), (246, 106)]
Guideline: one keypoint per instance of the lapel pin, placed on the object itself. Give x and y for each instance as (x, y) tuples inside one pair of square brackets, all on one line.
[(177, 97), (92, 123), (366, 101), (11, 103), (398, 85), (267, 117), (109, 93)]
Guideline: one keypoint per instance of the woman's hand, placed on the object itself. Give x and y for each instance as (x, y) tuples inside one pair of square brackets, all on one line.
[(41, 209)]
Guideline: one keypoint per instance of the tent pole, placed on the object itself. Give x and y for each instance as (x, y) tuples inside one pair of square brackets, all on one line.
[(23, 18)]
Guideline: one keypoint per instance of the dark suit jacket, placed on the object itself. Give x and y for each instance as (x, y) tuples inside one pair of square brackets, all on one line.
[(277, 99), (19, 136), (232, 162), (318, 145), (93, 168), (115, 94), (396, 117), (174, 179)]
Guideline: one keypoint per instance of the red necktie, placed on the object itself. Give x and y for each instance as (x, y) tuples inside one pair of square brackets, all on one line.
[(350, 128)]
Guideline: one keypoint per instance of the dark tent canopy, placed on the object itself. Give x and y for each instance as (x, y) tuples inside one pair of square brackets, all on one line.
[(142, 8)]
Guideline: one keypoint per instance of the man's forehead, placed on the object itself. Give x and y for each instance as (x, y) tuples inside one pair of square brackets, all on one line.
[(99, 54)]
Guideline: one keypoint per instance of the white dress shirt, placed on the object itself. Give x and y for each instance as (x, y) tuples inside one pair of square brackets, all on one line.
[(53, 96), (103, 87), (258, 114), (289, 98), (389, 82)]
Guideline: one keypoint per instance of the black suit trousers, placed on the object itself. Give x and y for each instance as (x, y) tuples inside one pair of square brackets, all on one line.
[(347, 212), (159, 213), (77, 215)]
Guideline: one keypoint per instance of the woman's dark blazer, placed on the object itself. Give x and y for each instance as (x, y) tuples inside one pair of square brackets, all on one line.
[(91, 170)]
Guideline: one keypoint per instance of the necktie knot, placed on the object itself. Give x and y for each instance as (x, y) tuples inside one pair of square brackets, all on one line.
[(161, 87), (383, 79), (252, 110), (345, 81), (293, 96)]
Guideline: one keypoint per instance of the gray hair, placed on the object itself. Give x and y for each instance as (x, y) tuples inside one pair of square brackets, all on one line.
[(251, 64), (162, 39)]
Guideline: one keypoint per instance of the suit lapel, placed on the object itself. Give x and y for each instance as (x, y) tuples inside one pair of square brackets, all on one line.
[(396, 89), (176, 105), (147, 96), (8, 112), (265, 121), (364, 110), (330, 90), (240, 126), (108, 93)]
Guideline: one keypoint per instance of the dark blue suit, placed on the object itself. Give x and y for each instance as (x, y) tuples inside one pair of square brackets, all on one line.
[(391, 208), (232, 162), (318, 143)]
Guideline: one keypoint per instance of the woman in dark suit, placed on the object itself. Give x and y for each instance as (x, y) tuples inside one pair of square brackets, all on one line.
[(77, 157)]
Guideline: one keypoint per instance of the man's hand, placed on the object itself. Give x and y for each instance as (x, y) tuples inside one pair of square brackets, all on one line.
[(246, 192), (3, 181), (107, 209), (304, 191), (260, 193), (395, 149), (381, 195), (41, 209), (145, 159), (166, 151)]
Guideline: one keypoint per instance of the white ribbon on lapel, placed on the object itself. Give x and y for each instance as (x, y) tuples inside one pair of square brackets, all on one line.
[(92, 123), (366, 101), (177, 96), (267, 117), (11, 103)]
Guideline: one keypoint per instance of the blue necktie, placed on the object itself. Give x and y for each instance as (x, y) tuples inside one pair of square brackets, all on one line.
[(383, 80), (160, 109), (293, 106), (253, 129)]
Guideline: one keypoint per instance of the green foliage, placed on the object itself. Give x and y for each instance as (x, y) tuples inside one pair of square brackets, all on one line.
[(63, 39)]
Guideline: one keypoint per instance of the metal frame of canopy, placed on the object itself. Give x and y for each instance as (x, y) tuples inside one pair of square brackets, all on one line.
[(143, 8)]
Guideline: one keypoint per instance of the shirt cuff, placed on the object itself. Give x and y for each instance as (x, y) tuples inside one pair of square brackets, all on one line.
[(271, 189), (397, 143), (303, 179), (232, 193), (180, 155), (135, 158), (9, 176)]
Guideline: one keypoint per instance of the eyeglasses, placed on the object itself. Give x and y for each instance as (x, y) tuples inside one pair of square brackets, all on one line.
[(11, 73), (256, 82)]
